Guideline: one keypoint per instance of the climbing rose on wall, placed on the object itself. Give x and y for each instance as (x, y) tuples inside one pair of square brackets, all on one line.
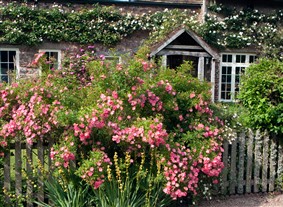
[(160, 118)]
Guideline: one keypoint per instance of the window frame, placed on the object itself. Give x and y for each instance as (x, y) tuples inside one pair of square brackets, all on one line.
[(233, 66), (112, 58), (53, 50), (17, 60)]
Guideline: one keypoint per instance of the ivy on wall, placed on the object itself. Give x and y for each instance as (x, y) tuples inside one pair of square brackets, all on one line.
[(21, 24), (224, 27), (230, 28)]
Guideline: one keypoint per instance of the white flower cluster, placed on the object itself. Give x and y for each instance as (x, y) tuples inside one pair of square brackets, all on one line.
[(241, 28)]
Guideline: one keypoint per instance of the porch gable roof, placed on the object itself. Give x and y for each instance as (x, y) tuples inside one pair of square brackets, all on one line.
[(200, 44)]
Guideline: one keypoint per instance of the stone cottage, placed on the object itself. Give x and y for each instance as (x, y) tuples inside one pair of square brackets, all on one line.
[(31, 26)]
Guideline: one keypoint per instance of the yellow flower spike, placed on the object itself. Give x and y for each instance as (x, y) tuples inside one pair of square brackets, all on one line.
[(127, 163), (109, 175)]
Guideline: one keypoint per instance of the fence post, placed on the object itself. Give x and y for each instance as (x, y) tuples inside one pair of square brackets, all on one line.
[(257, 160), (225, 170), (7, 178), (265, 161), (18, 167), (249, 160), (272, 164), (280, 157), (233, 177), (29, 161), (241, 165), (40, 180)]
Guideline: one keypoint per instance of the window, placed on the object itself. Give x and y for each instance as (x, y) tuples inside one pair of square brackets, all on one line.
[(53, 58), (9, 61), (231, 68), (113, 59)]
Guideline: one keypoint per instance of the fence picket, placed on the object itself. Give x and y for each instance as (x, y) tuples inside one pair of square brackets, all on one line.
[(225, 170), (18, 168), (233, 177), (241, 164), (265, 161), (7, 175), (272, 165), (29, 174), (249, 160), (280, 158), (257, 161), (40, 180)]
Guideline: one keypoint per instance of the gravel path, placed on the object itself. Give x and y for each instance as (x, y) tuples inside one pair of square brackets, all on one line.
[(249, 200)]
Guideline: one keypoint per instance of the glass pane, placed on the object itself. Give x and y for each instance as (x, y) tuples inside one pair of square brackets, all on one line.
[(4, 78), (54, 55), (4, 68), (243, 58), (229, 70), (12, 56), (228, 87), (223, 79), (4, 56), (237, 79), (223, 70), (224, 58), (228, 96), (223, 95), (237, 58), (228, 78), (252, 58), (237, 70), (229, 58), (11, 66)]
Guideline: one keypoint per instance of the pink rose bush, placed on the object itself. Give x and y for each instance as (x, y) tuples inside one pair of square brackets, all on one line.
[(93, 109)]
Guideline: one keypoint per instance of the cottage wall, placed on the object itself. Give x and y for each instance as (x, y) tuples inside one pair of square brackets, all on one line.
[(128, 45)]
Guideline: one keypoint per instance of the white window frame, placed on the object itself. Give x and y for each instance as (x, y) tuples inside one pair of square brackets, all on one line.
[(112, 57), (51, 50), (17, 60), (233, 65)]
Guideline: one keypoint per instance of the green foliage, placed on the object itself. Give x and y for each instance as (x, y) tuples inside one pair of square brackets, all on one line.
[(156, 120), (67, 194), (262, 94), (133, 185), (21, 24), (1, 180), (233, 28), (233, 117)]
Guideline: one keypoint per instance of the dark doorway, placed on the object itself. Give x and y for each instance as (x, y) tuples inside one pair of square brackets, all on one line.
[(174, 61)]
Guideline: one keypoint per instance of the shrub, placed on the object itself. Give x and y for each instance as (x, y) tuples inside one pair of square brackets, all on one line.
[(100, 113), (262, 94)]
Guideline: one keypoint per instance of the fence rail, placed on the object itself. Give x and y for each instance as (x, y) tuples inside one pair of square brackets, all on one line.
[(253, 162)]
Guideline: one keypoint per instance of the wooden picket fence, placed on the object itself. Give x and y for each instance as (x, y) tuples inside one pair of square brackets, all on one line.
[(253, 163), (24, 167)]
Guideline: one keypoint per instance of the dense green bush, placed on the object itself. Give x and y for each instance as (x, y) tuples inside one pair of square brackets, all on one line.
[(21, 24), (262, 94), (135, 124)]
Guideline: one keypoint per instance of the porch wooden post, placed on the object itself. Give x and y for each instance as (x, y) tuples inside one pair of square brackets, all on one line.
[(164, 60), (201, 68), (212, 79)]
